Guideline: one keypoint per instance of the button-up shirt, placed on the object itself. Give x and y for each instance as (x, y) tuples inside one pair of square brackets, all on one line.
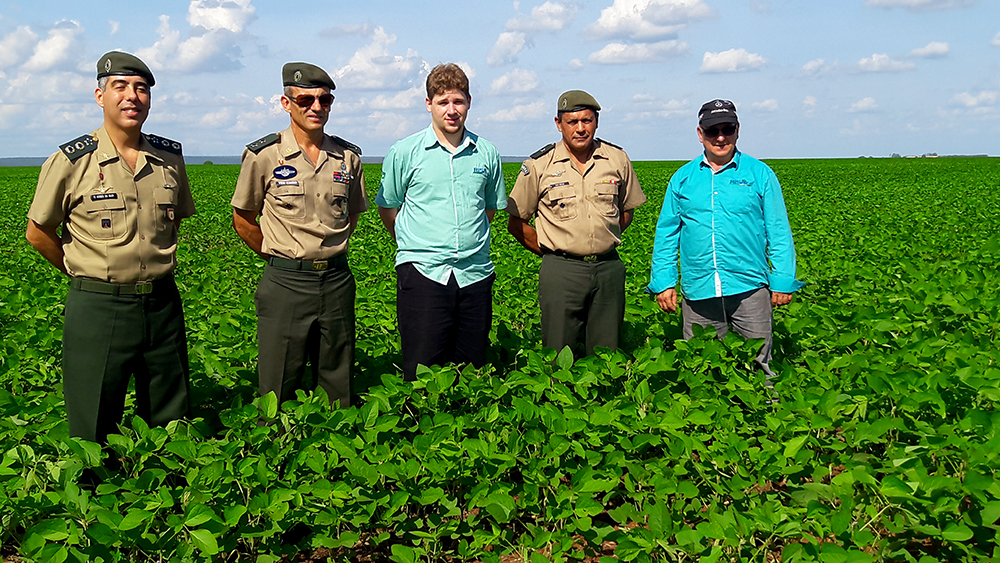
[(442, 196), (305, 207), (577, 212), (730, 228), (119, 224)]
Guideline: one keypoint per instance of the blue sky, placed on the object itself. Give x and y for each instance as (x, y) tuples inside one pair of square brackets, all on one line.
[(810, 78)]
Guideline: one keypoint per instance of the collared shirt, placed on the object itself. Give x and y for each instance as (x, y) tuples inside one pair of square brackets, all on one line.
[(305, 208), (577, 212), (728, 226), (442, 198), (118, 225)]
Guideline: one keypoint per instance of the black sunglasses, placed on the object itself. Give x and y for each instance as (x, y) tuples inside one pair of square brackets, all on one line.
[(306, 100), (714, 132)]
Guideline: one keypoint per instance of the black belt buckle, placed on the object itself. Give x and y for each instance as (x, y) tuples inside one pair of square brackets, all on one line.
[(589, 258), (143, 288), (320, 265)]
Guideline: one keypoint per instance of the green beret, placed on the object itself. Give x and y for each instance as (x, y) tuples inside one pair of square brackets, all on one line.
[(305, 75), (117, 63), (576, 100)]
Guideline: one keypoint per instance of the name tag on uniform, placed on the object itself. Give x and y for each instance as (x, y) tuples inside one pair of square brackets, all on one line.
[(288, 182), (559, 184), (101, 197)]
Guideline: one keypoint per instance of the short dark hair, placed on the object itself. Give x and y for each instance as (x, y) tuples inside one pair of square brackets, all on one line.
[(447, 76), (559, 114)]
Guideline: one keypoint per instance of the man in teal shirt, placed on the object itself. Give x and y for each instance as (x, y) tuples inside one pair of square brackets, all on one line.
[(440, 189), (725, 215)]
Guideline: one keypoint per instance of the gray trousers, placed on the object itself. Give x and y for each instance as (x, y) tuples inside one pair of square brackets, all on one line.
[(305, 317), (582, 303), (749, 313)]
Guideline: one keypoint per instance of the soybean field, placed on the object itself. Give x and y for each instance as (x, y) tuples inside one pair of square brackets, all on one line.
[(885, 444)]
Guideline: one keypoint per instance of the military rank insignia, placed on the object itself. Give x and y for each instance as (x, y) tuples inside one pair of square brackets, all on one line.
[(105, 223)]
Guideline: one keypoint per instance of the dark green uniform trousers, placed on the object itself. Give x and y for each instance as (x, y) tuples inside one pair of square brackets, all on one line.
[(306, 317), (582, 303), (107, 339)]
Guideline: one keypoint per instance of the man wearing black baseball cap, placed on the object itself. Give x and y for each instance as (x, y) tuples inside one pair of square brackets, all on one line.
[(724, 216)]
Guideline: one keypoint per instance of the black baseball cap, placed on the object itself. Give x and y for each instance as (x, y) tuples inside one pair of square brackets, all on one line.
[(716, 112)]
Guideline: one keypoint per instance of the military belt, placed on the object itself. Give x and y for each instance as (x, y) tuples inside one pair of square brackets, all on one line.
[(107, 288), (339, 261), (609, 255)]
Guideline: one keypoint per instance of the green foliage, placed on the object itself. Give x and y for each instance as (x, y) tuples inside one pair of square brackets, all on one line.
[(883, 446)]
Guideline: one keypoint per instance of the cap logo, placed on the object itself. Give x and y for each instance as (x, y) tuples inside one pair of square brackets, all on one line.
[(107, 65), (718, 104), (297, 76), (563, 102)]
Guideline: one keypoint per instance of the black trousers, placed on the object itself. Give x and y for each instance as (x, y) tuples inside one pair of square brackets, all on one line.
[(306, 317), (108, 339), (441, 324)]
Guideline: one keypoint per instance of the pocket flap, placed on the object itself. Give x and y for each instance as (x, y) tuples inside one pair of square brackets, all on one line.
[(556, 194)]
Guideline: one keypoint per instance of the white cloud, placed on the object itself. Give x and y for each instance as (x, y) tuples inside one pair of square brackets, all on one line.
[(216, 120), (934, 49), (809, 103), (648, 19), (675, 108), (766, 105), (389, 125), (341, 30), (733, 60), (114, 26), (996, 40), (16, 46), (576, 64), (63, 42), (508, 46), (220, 15), (410, 98), (642, 98), (373, 67), (517, 81), (523, 112), (883, 63), (620, 53), (208, 51), (864, 105), (970, 101), (550, 16), (760, 6), (816, 67), (920, 5)]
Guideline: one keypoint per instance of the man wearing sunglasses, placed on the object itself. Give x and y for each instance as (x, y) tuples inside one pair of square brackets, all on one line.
[(297, 201), (725, 217), (119, 196)]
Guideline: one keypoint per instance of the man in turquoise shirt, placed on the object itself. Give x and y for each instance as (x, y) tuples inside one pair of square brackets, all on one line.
[(440, 189), (725, 214)]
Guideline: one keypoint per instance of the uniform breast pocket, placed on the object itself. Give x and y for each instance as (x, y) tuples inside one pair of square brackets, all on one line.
[(166, 207), (606, 200), (106, 218), (287, 200), (562, 203), (337, 200)]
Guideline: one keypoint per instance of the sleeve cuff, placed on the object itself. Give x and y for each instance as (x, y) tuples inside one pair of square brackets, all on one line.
[(785, 284)]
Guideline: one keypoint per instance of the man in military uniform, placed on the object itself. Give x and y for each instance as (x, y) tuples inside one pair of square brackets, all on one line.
[(308, 189), (119, 196), (582, 192)]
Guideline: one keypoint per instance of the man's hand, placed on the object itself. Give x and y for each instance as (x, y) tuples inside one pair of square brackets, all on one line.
[(667, 300), (779, 299), (47, 242)]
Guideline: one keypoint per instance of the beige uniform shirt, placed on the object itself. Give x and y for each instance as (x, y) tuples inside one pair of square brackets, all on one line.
[(304, 208), (576, 213), (118, 226)]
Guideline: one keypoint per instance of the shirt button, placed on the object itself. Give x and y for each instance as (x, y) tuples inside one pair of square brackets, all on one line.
[(140, 207), (142, 237), (144, 267)]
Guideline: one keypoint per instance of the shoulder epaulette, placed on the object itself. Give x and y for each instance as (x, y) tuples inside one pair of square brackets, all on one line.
[(79, 146), (163, 143), (542, 151), (611, 144), (346, 144), (262, 142)]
